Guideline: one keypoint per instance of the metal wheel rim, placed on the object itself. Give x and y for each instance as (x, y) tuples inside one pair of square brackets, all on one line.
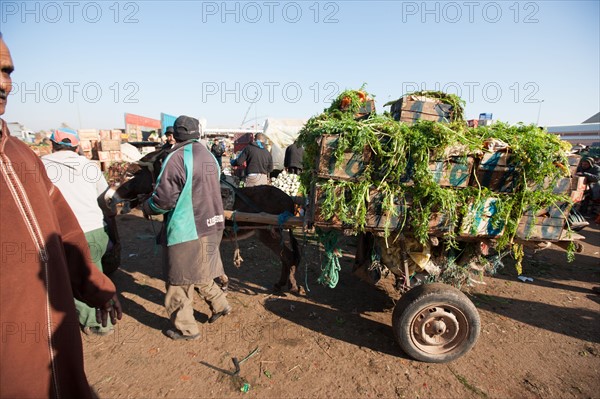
[(439, 329)]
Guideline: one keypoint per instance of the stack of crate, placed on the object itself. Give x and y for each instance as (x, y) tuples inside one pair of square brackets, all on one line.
[(101, 145), (497, 171)]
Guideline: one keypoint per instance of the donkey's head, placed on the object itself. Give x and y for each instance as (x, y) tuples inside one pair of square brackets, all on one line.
[(141, 177)]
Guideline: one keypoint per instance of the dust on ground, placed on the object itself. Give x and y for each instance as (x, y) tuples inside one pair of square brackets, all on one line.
[(539, 339)]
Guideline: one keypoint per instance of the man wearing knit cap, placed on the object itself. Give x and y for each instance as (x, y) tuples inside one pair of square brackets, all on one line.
[(188, 194)]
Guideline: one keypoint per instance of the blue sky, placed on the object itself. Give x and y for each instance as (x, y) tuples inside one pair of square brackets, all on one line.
[(87, 63)]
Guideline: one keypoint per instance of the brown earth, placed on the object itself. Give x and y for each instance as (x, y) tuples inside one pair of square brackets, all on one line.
[(539, 339)]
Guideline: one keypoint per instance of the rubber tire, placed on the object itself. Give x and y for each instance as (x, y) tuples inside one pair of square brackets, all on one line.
[(422, 297)]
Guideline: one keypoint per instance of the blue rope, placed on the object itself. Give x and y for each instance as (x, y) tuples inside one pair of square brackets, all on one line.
[(283, 217), (330, 268)]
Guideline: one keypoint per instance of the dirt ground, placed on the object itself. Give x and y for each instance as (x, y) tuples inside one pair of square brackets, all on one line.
[(539, 339)]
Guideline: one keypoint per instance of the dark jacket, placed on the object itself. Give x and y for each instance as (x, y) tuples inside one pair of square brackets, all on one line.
[(217, 150), (258, 160), (592, 174), (293, 156), (45, 263), (188, 193)]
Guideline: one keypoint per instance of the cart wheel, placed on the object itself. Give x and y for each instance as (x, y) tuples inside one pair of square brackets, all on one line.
[(435, 323)]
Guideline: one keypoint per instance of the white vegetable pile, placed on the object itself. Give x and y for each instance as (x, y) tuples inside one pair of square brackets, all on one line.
[(287, 182)]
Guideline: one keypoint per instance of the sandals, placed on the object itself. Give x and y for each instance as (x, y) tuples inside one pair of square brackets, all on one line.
[(177, 336), (216, 316), (98, 331)]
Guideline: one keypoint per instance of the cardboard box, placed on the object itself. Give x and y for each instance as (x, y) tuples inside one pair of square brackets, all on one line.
[(104, 135), (578, 183), (115, 134), (410, 109), (479, 221), (88, 134), (110, 145), (577, 195), (540, 228), (103, 156), (115, 156), (351, 167), (86, 145)]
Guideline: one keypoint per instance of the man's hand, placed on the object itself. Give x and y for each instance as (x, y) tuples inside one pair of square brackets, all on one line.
[(112, 308), (144, 206)]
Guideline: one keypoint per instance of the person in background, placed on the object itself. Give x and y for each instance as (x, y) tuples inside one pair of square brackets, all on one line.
[(259, 162), (81, 182), (188, 194), (45, 262), (218, 150), (293, 158), (169, 140), (591, 172)]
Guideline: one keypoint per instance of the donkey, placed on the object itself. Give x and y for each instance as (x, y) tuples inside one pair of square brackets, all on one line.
[(256, 199)]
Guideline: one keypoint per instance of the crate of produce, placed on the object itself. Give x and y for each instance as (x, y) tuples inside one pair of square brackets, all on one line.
[(541, 228), (480, 221), (380, 219), (452, 172), (351, 167), (411, 108), (315, 210), (496, 171)]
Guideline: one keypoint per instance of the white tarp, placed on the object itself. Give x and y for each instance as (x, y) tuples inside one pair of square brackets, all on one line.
[(130, 153), (281, 133)]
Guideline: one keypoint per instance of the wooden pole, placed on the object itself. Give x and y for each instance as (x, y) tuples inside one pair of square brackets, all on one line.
[(263, 218)]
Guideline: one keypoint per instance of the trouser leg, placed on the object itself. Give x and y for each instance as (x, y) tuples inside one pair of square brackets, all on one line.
[(213, 295), (256, 180), (179, 305), (97, 241)]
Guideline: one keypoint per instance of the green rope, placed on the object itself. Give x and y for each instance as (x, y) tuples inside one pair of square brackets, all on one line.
[(330, 267)]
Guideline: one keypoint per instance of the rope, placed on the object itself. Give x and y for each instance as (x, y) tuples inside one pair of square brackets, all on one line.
[(237, 257), (330, 267), (304, 241)]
